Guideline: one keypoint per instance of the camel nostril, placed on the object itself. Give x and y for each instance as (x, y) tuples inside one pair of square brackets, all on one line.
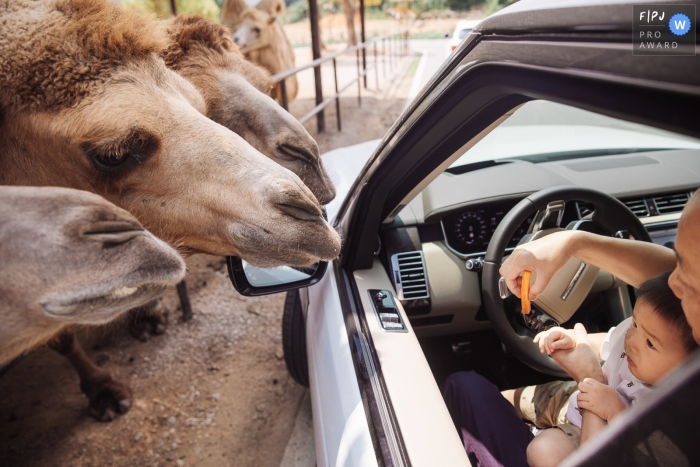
[(113, 233), (300, 213)]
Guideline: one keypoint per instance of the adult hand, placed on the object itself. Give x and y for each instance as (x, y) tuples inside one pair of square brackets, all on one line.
[(600, 399), (555, 339), (581, 361), (544, 257)]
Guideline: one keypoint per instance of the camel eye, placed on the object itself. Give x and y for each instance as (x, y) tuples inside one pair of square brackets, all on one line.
[(256, 30), (117, 155)]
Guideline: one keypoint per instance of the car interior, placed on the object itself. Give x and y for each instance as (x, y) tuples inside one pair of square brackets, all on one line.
[(430, 250)]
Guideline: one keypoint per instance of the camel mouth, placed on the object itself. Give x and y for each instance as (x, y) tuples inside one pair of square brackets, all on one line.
[(290, 252), (103, 307)]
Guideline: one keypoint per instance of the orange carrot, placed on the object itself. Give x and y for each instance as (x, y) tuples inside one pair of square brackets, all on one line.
[(525, 292)]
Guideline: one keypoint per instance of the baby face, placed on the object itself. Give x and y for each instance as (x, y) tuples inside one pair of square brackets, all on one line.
[(653, 346)]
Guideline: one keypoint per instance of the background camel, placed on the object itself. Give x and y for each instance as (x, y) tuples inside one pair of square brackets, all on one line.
[(69, 257), (89, 104), (262, 40)]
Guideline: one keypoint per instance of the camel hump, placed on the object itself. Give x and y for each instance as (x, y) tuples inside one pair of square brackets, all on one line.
[(187, 31), (273, 7), (232, 11)]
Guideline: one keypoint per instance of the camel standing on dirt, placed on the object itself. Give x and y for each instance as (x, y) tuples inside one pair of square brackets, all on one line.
[(262, 40), (54, 246), (88, 104)]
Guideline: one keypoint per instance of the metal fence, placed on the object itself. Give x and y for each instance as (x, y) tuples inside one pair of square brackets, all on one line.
[(387, 51)]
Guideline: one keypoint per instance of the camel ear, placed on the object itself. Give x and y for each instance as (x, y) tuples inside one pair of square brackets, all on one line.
[(272, 19)]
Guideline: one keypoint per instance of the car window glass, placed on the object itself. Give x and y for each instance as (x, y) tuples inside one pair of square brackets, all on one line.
[(541, 131), (464, 32)]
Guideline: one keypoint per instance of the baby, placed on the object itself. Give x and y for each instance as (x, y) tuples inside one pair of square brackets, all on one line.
[(638, 353)]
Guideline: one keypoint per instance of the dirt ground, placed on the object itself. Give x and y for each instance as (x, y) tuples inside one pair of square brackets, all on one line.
[(210, 392)]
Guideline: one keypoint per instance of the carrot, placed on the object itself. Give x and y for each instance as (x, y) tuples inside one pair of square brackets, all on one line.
[(525, 292)]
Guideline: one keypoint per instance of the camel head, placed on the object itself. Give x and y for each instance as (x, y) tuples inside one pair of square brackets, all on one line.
[(89, 104), (71, 257), (253, 31), (235, 93)]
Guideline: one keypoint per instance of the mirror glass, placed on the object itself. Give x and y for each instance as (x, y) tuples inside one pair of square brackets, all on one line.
[(265, 277)]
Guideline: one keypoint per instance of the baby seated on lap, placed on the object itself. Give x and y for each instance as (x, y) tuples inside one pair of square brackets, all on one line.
[(638, 354)]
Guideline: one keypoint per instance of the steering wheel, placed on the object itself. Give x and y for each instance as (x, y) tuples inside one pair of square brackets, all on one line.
[(570, 286)]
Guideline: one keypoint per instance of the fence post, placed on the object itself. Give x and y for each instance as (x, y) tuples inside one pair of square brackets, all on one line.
[(337, 99), (316, 51), (376, 67), (283, 95), (362, 37), (359, 84)]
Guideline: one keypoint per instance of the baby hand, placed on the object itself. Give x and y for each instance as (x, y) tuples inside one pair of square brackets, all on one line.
[(600, 399), (555, 339)]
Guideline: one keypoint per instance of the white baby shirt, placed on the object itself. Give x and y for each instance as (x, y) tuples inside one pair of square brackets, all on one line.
[(617, 372)]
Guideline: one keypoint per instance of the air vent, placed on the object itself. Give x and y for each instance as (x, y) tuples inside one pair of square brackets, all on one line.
[(410, 277), (638, 207), (668, 204)]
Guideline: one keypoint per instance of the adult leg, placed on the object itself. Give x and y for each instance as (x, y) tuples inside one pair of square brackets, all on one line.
[(107, 396), (549, 448), (492, 432)]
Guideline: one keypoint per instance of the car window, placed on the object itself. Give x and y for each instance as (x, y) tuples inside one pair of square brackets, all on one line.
[(541, 131), (463, 33)]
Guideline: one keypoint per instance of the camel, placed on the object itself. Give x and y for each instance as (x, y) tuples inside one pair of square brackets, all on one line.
[(89, 104), (54, 246), (262, 40), (234, 91)]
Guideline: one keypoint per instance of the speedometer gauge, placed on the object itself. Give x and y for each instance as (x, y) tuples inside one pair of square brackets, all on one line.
[(471, 228)]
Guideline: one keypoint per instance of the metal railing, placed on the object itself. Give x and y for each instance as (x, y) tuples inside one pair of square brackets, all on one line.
[(394, 46)]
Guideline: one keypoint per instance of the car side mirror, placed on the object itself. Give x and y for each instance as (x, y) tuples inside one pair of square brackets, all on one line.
[(250, 280)]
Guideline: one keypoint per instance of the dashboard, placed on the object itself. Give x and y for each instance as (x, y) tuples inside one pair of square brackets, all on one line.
[(454, 217)]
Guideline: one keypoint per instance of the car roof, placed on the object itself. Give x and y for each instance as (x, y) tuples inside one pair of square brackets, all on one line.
[(563, 15)]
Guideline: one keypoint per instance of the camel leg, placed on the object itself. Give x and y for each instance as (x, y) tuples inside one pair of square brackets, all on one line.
[(107, 396), (184, 300), (145, 321)]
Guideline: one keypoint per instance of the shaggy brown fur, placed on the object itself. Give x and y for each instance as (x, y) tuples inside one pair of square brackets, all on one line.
[(71, 54), (196, 43)]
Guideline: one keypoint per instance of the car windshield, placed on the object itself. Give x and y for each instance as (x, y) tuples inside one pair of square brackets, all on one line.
[(542, 131), (463, 33)]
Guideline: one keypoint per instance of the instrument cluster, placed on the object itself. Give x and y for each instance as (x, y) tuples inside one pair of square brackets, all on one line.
[(469, 231)]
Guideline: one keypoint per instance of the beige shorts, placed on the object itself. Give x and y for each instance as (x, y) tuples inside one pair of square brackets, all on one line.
[(545, 406)]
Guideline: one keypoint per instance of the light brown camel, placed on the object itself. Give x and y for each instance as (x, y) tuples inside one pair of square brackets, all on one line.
[(70, 257), (262, 40), (88, 104), (234, 92)]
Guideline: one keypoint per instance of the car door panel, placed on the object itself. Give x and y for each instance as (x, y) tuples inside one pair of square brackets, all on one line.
[(342, 433), (425, 424)]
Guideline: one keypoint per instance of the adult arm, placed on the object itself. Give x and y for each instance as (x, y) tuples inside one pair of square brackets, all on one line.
[(581, 362), (632, 261)]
